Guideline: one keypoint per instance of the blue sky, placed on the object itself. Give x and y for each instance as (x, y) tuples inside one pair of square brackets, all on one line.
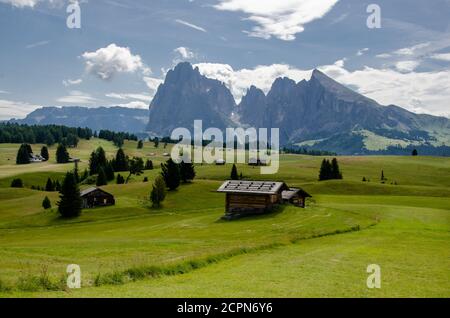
[(123, 49)]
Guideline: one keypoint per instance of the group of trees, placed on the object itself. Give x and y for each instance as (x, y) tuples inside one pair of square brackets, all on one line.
[(172, 175), (330, 170), (309, 152), (24, 154), (47, 134), (116, 137), (100, 166)]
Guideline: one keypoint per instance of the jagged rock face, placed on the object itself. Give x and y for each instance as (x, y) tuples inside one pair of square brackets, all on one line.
[(110, 118), (185, 96), (321, 107)]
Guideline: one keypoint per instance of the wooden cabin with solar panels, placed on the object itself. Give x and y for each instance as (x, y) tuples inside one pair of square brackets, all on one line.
[(251, 197)]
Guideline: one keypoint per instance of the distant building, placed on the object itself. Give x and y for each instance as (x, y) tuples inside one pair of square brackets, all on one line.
[(295, 196), (36, 158), (220, 162), (257, 162), (94, 197)]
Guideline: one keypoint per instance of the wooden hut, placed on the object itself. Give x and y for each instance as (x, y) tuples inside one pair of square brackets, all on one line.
[(251, 197), (295, 196), (94, 197)]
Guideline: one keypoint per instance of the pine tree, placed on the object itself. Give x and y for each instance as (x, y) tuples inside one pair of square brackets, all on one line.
[(44, 153), (149, 165), (101, 178), (121, 161), (156, 142), (335, 171), (140, 144), (325, 170), (62, 156), (136, 167), (46, 204), (187, 171), (57, 186), (120, 179), (415, 153), (382, 176), (171, 174), (49, 186), (158, 193), (97, 161), (109, 171), (234, 173), (17, 183), (70, 201), (23, 155)]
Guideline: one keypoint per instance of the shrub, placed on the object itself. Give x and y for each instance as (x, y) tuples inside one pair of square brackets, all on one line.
[(120, 179), (46, 204), (17, 183)]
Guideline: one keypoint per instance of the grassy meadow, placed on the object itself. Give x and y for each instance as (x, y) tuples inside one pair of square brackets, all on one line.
[(183, 249)]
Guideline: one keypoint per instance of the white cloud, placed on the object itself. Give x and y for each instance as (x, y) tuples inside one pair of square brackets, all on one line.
[(15, 109), (441, 57), (33, 45), (78, 98), (135, 104), (190, 25), (362, 51), (152, 83), (416, 91), (125, 96), (407, 66), (280, 19), (184, 52), (108, 61), (409, 51), (21, 3), (261, 76), (70, 82)]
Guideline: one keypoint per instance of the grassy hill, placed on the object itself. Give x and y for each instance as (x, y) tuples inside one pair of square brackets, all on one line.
[(183, 249)]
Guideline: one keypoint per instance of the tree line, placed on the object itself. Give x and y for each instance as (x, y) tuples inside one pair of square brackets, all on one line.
[(45, 134)]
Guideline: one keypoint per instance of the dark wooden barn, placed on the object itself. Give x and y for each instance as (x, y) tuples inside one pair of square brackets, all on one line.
[(251, 197), (94, 197), (295, 196)]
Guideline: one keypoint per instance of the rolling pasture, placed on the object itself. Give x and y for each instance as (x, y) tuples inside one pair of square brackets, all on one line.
[(183, 249)]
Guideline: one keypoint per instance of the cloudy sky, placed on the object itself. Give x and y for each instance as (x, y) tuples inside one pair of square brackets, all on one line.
[(123, 49)]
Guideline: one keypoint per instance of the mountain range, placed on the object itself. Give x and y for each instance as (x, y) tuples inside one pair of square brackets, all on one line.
[(98, 118), (316, 114)]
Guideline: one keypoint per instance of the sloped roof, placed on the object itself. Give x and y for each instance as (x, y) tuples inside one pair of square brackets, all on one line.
[(288, 194), (255, 187), (90, 190)]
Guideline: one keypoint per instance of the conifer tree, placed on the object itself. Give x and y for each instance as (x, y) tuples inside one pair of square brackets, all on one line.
[(149, 165), (62, 156), (49, 186), (140, 144), (325, 170), (23, 155), (44, 153), (109, 171), (46, 204), (101, 178), (234, 173), (171, 174), (158, 193), (335, 171), (187, 171), (121, 161), (120, 179), (70, 201)]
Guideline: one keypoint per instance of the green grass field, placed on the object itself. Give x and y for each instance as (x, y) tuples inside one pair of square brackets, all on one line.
[(183, 249)]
